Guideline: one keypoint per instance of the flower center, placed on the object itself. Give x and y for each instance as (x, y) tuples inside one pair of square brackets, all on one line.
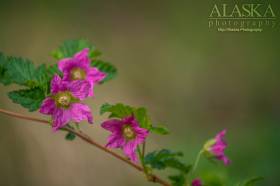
[(128, 132), (77, 74), (63, 99)]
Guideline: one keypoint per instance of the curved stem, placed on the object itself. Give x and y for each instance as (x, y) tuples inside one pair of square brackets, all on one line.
[(196, 161), (89, 140)]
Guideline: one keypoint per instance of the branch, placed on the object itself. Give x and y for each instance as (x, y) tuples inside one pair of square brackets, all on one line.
[(89, 140)]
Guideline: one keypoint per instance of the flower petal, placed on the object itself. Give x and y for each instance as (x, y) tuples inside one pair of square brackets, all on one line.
[(141, 135), (224, 159), (63, 64), (82, 56), (79, 89), (57, 84), (115, 140), (95, 75), (112, 125), (130, 120), (129, 149), (219, 147), (48, 106), (60, 118), (220, 135), (80, 112), (141, 131)]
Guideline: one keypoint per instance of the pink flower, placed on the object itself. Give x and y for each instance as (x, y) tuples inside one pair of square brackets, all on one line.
[(63, 105), (126, 134), (78, 68), (197, 182), (216, 147)]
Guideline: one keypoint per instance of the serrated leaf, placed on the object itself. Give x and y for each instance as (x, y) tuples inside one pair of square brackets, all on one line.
[(105, 67), (21, 71), (252, 181), (43, 78), (53, 69), (166, 158), (70, 136), (159, 130), (177, 180), (118, 110), (177, 164), (71, 47), (28, 98), (142, 117), (41, 74)]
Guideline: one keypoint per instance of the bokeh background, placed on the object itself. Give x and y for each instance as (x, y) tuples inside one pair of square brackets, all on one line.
[(194, 79)]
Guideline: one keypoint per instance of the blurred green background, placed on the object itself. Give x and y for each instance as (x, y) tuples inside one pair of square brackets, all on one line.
[(194, 79)]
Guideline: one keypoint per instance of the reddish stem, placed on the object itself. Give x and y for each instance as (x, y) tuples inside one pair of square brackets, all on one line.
[(89, 140)]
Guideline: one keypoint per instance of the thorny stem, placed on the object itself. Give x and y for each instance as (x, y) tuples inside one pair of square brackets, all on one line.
[(86, 138)]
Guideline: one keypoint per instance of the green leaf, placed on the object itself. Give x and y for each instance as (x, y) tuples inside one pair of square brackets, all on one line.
[(159, 130), (166, 158), (253, 181), (53, 69), (28, 98), (70, 136), (43, 77), (118, 110), (21, 71), (4, 78), (106, 107), (105, 67), (71, 47), (177, 180), (142, 117)]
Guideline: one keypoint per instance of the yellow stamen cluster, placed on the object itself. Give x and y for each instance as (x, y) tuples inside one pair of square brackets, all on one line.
[(128, 132), (63, 99), (77, 74)]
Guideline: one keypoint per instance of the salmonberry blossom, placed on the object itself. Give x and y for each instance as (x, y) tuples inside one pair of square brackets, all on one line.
[(216, 147), (126, 134), (78, 68), (64, 103), (197, 182)]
